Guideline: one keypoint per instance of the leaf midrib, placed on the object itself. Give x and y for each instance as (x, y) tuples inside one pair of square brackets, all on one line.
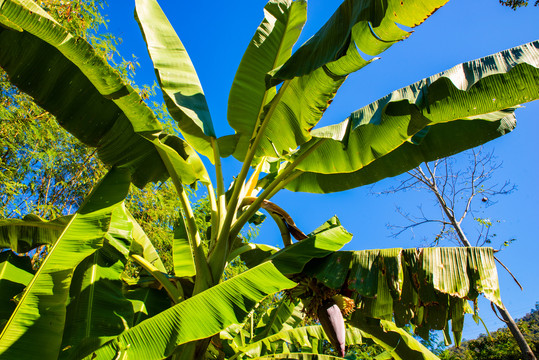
[(91, 295), (281, 42)]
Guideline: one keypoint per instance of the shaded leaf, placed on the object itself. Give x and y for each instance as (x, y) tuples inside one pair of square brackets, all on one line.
[(36, 326), (15, 274), (30, 232)]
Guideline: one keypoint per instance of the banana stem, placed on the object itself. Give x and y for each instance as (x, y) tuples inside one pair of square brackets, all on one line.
[(203, 279), (175, 294), (217, 258), (221, 200), (277, 184), (214, 214)]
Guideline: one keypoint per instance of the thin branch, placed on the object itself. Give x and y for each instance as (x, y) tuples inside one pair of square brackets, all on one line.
[(496, 313), (510, 273)]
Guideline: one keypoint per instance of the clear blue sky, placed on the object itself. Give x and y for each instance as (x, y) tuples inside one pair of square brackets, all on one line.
[(216, 33)]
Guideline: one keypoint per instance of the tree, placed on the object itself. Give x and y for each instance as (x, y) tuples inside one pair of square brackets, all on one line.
[(455, 193), (463, 188), (41, 163), (515, 4), (275, 101)]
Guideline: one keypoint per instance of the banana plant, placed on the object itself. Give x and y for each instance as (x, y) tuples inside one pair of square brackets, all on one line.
[(81, 304)]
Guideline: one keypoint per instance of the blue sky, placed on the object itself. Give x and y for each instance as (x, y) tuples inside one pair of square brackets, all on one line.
[(216, 34)]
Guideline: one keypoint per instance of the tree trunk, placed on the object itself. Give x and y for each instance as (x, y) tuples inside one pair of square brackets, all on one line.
[(527, 353)]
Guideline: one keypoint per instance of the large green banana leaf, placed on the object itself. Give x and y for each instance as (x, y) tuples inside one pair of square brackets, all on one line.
[(325, 240), (317, 70), (24, 235), (97, 308), (269, 48), (66, 76), (36, 326), (370, 26), (425, 287), (441, 140), (100, 307), (198, 317), (177, 77), (414, 124), (15, 274), (309, 92)]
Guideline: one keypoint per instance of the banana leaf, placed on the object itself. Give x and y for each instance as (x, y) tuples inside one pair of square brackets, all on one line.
[(462, 107), (199, 317), (177, 77), (15, 274), (24, 235), (98, 296), (36, 326), (316, 77), (269, 48), (370, 26), (328, 238), (68, 78), (98, 308), (425, 287)]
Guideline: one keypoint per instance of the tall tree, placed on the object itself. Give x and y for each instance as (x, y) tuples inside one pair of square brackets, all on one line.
[(456, 193)]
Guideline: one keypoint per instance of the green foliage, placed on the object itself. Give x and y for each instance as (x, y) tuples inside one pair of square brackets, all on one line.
[(500, 344), (515, 4), (40, 162)]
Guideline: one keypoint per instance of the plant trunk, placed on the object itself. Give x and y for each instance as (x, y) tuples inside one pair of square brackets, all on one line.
[(527, 353)]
